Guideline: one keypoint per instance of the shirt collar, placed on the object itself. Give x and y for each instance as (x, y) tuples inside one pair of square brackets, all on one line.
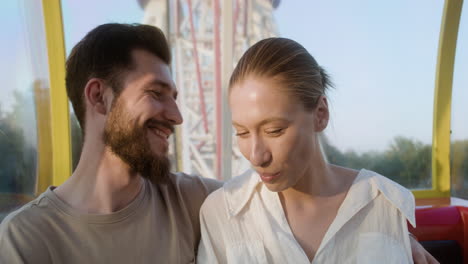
[(397, 195), (368, 184), (365, 188), (239, 190)]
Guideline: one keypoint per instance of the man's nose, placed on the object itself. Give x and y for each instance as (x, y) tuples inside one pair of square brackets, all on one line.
[(172, 113)]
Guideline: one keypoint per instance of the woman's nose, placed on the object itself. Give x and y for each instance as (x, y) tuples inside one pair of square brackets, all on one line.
[(260, 155)]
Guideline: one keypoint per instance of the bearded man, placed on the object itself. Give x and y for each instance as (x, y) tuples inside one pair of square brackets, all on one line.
[(121, 204)]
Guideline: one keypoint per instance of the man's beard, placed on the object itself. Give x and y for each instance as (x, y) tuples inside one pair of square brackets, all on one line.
[(132, 146)]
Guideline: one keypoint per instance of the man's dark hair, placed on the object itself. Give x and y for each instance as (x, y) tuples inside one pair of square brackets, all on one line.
[(106, 53)]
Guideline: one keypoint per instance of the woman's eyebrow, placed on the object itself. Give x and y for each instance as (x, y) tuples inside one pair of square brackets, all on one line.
[(265, 121), (272, 119)]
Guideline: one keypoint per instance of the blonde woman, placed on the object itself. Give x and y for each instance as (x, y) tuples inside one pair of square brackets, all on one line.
[(294, 207)]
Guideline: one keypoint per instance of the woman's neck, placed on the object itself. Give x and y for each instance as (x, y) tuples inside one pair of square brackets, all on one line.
[(320, 181)]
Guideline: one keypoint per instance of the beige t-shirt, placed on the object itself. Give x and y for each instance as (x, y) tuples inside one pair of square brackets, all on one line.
[(160, 225)]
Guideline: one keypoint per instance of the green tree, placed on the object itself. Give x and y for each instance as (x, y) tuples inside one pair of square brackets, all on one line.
[(459, 168), (18, 162), (406, 161)]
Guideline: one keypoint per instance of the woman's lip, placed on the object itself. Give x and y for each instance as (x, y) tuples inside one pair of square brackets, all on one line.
[(269, 177)]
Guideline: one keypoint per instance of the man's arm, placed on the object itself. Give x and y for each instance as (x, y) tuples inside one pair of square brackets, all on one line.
[(420, 255)]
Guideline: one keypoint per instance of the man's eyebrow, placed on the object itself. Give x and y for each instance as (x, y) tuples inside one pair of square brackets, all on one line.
[(164, 85)]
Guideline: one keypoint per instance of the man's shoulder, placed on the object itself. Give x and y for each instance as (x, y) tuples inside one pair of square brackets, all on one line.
[(28, 215), (195, 184), (24, 228), (185, 194), (189, 191), (16, 221), (23, 232)]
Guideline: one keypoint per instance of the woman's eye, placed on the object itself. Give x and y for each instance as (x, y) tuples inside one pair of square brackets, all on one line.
[(275, 132), (241, 134)]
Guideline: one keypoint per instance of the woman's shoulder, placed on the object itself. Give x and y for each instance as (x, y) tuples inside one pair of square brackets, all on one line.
[(397, 195), (213, 204), (387, 186)]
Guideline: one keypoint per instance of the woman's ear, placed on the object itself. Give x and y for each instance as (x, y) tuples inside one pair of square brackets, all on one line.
[(94, 95), (322, 115)]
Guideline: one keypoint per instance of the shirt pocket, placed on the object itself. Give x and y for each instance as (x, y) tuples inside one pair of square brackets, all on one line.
[(246, 252), (374, 247)]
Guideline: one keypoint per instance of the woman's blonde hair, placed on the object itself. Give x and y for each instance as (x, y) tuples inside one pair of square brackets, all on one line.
[(288, 62)]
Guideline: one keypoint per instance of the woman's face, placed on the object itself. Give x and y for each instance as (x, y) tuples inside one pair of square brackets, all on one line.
[(274, 131)]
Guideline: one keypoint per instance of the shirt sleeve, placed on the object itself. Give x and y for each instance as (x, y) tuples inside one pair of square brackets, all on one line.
[(212, 248)]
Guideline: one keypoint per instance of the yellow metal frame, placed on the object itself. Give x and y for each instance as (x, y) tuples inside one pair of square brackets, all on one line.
[(60, 116), (44, 143), (443, 102)]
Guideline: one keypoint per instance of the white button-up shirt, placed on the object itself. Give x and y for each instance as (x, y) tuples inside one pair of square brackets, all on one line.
[(244, 222)]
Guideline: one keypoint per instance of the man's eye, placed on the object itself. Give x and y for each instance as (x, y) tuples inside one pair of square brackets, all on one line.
[(156, 93)]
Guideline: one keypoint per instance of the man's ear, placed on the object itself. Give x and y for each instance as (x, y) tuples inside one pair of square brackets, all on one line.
[(94, 95), (322, 115)]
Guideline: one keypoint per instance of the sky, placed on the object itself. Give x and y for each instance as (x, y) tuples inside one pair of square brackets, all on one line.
[(381, 56)]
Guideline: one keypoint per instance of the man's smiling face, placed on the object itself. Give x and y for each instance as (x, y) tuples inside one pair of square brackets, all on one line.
[(142, 117)]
